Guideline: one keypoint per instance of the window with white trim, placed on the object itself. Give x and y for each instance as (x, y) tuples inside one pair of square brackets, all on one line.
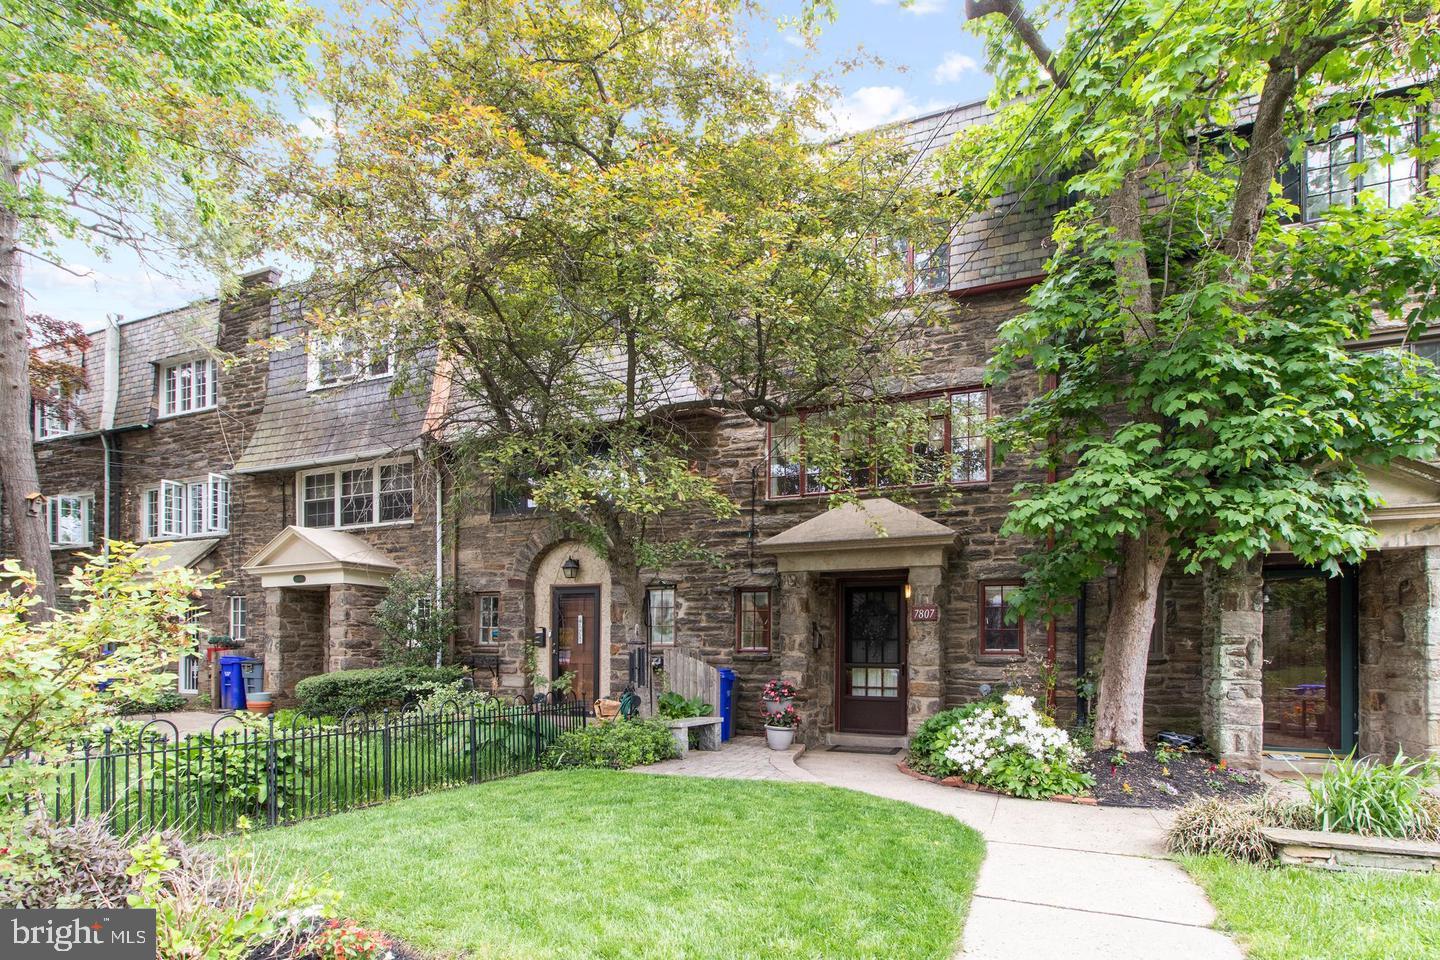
[(53, 419), (70, 517), (344, 357), (187, 386), (660, 615), (239, 619), (487, 618), (358, 496), (187, 508), (189, 679)]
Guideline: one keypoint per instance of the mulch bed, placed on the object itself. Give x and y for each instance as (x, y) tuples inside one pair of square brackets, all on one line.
[(1142, 781)]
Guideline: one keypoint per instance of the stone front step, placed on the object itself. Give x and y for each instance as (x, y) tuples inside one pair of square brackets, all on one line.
[(875, 741)]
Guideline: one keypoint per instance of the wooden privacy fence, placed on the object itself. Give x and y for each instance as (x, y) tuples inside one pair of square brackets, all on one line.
[(692, 677)]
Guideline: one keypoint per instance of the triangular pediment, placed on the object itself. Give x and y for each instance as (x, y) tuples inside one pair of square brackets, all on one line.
[(1405, 483), (868, 523), (298, 550)]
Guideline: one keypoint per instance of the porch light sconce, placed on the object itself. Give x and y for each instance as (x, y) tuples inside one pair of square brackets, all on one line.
[(571, 568), (540, 636), (907, 591)]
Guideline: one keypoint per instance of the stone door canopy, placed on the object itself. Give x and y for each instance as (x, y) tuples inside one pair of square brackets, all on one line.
[(301, 557), (875, 534)]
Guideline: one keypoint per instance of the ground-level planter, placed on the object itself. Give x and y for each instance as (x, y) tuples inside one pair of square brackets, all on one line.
[(1348, 851), (779, 738)]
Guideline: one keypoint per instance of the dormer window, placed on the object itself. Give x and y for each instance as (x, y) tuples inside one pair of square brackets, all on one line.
[(187, 387), (344, 357), (55, 417)]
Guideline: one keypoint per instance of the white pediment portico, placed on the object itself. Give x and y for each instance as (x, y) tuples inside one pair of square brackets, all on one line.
[(875, 534), (302, 557), (1410, 514)]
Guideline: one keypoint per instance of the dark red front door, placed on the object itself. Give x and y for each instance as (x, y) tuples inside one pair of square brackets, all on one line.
[(872, 659), (577, 640)]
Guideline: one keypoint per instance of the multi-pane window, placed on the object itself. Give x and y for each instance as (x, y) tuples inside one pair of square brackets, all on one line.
[(1334, 172), (487, 618), (752, 620), (55, 416), (239, 619), (997, 635), (187, 508), (70, 518), (511, 497), (187, 387), (953, 447), (926, 270), (344, 357), (660, 615), (358, 496)]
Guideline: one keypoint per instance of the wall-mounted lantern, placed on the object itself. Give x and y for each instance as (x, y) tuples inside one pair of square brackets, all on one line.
[(571, 568), (540, 636), (907, 591)]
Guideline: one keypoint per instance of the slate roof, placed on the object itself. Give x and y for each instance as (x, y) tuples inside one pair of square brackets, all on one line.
[(148, 343), (356, 421)]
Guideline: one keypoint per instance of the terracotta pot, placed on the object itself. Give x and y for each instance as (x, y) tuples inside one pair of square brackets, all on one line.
[(779, 738), (258, 706)]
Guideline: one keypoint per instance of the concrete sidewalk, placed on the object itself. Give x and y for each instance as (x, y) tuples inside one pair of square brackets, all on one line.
[(1080, 882)]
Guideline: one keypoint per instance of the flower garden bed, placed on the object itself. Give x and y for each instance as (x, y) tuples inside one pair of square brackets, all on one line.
[(1161, 778), (964, 784)]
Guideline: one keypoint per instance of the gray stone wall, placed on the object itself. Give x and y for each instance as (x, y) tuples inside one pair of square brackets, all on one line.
[(1233, 717), (1399, 621), (296, 641)]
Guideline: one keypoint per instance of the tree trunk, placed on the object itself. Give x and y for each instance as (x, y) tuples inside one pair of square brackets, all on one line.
[(1120, 713), (23, 505)]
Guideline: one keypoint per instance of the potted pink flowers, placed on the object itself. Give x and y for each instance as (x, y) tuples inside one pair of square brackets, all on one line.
[(777, 696), (780, 727)]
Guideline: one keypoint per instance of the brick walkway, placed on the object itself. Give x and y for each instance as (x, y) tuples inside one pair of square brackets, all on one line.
[(743, 758)]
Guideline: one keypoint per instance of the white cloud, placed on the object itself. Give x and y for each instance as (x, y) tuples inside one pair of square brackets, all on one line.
[(919, 8), (953, 67), (794, 39), (875, 106)]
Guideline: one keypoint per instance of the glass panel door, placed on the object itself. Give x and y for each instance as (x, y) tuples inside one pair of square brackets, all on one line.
[(1308, 676), (872, 672)]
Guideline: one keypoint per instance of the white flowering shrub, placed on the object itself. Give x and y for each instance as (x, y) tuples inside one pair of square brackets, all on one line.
[(1012, 747)]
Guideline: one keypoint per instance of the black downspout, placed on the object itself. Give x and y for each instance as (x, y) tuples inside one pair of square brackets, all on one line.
[(1082, 704)]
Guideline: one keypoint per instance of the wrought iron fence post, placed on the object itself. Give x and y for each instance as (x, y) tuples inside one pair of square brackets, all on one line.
[(107, 770), (474, 745), (385, 751), (535, 714), (271, 784)]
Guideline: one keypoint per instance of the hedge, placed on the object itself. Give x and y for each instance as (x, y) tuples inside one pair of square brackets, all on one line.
[(331, 694)]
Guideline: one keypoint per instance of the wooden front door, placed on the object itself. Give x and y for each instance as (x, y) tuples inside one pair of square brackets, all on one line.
[(577, 640), (872, 659)]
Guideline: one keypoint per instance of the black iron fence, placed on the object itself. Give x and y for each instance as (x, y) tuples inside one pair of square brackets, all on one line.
[(263, 772)]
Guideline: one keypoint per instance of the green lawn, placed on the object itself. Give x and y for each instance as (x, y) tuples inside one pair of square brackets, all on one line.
[(1295, 913), (603, 864)]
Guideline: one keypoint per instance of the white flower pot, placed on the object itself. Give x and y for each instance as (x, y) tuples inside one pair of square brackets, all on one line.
[(779, 738), (778, 706)]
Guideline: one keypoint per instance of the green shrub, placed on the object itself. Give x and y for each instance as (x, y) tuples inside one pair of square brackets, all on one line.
[(1375, 799), (620, 744), (332, 694), (165, 702), (927, 747), (72, 867), (1021, 775), (675, 706)]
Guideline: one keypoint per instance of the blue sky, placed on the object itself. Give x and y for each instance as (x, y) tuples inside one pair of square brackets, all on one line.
[(928, 60)]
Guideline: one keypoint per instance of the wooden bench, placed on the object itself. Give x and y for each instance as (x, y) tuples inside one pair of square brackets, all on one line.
[(707, 727)]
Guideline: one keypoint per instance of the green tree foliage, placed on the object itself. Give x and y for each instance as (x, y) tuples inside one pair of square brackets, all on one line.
[(417, 623), (60, 677), (121, 123), (1207, 404), (605, 216)]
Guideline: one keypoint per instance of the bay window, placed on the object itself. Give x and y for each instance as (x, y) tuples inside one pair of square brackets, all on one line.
[(952, 448), (358, 496)]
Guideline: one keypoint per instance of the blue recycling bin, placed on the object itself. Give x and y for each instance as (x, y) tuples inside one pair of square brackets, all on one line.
[(727, 701), (232, 681)]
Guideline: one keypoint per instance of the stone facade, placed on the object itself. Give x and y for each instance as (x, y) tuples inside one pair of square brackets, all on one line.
[(1399, 620), (1233, 715)]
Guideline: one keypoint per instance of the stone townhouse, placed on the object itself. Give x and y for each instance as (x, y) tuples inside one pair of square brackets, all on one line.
[(331, 488)]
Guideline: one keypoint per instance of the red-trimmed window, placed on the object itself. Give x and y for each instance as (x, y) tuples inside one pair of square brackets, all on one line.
[(956, 434), (996, 635), (752, 620)]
